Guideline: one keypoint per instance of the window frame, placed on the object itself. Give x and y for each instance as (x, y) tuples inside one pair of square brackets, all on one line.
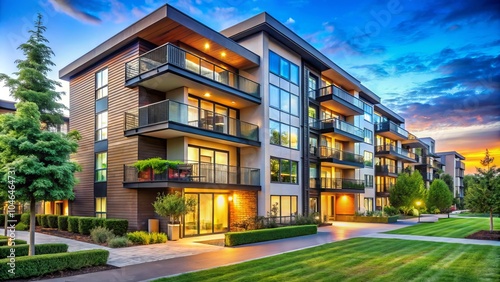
[(365, 160), (99, 130), (291, 129), (291, 198), (365, 130), (98, 87), (100, 212), (280, 64), (293, 177), (98, 170)]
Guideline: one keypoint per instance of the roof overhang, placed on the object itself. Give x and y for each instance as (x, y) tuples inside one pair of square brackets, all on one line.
[(385, 111)]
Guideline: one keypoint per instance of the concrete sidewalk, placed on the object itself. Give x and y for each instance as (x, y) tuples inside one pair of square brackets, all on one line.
[(433, 239)]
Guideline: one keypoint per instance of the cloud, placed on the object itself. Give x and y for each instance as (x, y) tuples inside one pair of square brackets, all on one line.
[(290, 21), (71, 8)]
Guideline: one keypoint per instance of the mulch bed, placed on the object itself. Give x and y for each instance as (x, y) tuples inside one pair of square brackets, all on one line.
[(485, 235), (66, 234), (67, 273)]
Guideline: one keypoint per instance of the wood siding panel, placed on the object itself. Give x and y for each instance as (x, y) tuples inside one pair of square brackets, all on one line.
[(150, 147)]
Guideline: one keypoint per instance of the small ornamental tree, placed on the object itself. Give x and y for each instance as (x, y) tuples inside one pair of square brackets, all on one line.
[(173, 206), (409, 189), (439, 196), (38, 159), (448, 180)]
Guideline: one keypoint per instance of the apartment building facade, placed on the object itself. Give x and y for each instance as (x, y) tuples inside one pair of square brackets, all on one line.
[(257, 117), (454, 166)]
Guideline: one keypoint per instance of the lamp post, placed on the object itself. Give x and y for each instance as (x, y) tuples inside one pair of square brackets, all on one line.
[(418, 205)]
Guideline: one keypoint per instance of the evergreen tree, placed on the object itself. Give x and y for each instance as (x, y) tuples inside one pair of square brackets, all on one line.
[(38, 160), (409, 189), (439, 196), (32, 83), (487, 159)]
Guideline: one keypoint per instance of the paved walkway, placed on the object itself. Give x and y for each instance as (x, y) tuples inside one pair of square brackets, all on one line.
[(433, 239)]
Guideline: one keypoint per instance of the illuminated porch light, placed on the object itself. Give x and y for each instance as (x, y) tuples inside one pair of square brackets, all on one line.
[(207, 46), (207, 94)]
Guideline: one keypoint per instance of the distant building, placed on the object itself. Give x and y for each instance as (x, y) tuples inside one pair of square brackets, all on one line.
[(455, 167)]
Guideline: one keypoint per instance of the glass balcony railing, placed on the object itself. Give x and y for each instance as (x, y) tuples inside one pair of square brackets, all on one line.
[(339, 125), (173, 111), (392, 169), (171, 54), (327, 152), (193, 171), (342, 94), (397, 151), (339, 183), (391, 126)]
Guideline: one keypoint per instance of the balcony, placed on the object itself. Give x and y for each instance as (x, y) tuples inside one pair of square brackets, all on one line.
[(341, 158), (338, 100), (152, 68), (338, 184), (460, 165), (391, 130), (387, 170), (415, 142), (170, 119), (195, 174), (340, 129), (396, 153), (382, 190)]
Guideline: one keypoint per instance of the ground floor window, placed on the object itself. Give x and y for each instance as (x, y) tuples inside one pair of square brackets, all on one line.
[(100, 207), (286, 207), (368, 204), (211, 214), (313, 205), (381, 202)]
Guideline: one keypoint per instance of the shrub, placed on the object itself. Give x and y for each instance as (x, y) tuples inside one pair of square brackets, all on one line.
[(157, 238), (101, 235), (62, 222), (84, 225), (4, 237), (16, 216), (41, 249), (5, 242), (44, 220), (21, 226), (312, 218), (139, 237), (38, 220), (73, 224), (98, 222), (52, 220), (247, 237), (390, 210), (119, 242), (118, 226), (32, 266), (25, 218)]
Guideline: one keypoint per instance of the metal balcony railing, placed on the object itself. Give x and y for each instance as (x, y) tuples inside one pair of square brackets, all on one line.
[(386, 169), (391, 126), (339, 125), (328, 152), (171, 54), (193, 171), (337, 183), (397, 151), (173, 111), (342, 94)]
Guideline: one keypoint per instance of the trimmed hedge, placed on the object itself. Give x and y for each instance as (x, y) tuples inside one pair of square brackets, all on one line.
[(254, 236), (62, 222), (32, 266), (98, 222), (17, 216), (38, 220), (84, 225), (118, 226), (3, 237), (44, 218), (25, 218), (41, 249), (5, 242), (372, 219), (22, 227), (52, 220), (73, 224)]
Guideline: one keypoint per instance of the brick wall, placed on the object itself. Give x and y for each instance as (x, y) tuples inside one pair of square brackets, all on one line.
[(242, 207)]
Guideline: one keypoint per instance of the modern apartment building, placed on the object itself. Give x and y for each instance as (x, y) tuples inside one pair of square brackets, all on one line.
[(257, 116), (455, 167)]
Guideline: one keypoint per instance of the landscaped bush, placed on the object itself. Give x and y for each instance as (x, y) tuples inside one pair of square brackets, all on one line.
[(158, 238), (101, 235), (375, 219), (32, 266), (85, 225), (21, 226), (41, 249), (98, 222), (44, 220), (17, 216), (25, 218), (313, 218), (38, 220), (73, 224), (390, 210), (247, 237), (5, 242), (62, 222), (119, 226), (3, 237), (119, 242), (52, 220), (139, 237)]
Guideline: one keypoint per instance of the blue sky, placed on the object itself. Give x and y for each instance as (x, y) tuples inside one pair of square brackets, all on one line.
[(436, 62)]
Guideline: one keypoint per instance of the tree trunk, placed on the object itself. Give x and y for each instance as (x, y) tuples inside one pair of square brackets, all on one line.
[(491, 220), (32, 227)]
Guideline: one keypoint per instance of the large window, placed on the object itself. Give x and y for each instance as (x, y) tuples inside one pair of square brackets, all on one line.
[(283, 68), (284, 171), (101, 84), (368, 181), (369, 204), (368, 112), (368, 157), (100, 207), (101, 166), (283, 100), (286, 205), (283, 134), (368, 136), (101, 126)]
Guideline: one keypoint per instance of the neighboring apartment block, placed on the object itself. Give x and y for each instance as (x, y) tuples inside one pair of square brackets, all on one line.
[(455, 167), (258, 117)]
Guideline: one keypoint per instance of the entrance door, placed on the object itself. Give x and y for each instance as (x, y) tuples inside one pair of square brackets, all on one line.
[(211, 214)]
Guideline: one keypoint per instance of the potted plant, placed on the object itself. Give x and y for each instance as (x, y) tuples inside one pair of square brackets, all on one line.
[(173, 206), (145, 167)]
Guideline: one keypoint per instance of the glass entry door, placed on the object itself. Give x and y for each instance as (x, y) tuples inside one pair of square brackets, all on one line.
[(211, 214)]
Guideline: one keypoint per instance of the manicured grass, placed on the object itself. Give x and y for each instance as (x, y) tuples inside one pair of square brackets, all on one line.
[(471, 214), (449, 227), (365, 259)]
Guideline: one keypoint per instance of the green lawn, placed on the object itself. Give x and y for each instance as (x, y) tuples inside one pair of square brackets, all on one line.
[(449, 227), (471, 214), (365, 259)]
